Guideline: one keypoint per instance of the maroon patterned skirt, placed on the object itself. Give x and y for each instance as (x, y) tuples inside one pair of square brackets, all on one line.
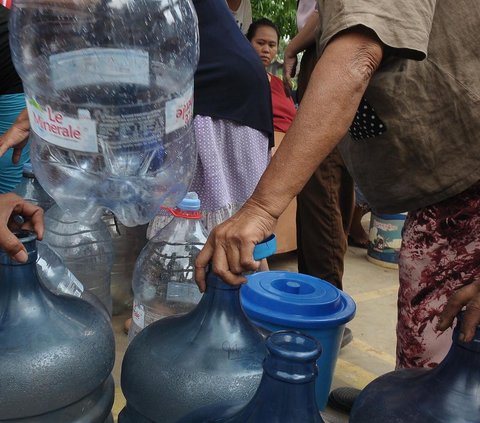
[(440, 253)]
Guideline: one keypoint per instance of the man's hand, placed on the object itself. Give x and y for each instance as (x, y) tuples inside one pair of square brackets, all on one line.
[(12, 205), (468, 297), (289, 68), (16, 137), (230, 245)]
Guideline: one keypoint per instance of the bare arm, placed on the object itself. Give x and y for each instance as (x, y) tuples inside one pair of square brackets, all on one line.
[(336, 87), (16, 137), (304, 39)]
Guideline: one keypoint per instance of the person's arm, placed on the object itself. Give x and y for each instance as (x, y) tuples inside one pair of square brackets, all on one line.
[(304, 39), (16, 137), (10, 206), (336, 87)]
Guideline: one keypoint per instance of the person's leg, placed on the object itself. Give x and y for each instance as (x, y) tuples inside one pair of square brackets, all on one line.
[(440, 253), (324, 212)]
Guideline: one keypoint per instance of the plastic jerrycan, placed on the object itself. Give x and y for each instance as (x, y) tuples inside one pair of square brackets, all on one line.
[(287, 390), (109, 92), (180, 363), (57, 352), (448, 393)]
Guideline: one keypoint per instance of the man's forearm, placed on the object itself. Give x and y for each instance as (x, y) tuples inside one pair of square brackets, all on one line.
[(306, 36), (335, 90)]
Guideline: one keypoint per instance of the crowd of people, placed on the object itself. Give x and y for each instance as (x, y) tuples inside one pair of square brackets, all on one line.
[(387, 97)]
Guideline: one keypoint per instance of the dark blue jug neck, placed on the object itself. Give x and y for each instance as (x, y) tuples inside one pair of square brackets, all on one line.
[(288, 381), (220, 299), (29, 241)]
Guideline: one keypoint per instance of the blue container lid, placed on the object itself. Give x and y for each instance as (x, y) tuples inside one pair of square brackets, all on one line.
[(295, 300)]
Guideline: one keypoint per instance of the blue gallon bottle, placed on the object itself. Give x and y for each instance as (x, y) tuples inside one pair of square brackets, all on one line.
[(180, 363), (449, 393), (287, 390), (57, 352)]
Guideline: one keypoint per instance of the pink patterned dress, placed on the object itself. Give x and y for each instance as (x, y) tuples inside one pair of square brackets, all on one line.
[(440, 254)]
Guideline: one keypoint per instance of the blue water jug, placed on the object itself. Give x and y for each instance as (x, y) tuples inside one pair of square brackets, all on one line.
[(180, 363), (449, 393), (287, 300), (287, 390), (57, 352)]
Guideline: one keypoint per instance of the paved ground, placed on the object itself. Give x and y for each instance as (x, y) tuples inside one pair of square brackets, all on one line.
[(372, 350)]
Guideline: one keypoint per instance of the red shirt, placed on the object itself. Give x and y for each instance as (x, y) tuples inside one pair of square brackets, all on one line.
[(283, 106)]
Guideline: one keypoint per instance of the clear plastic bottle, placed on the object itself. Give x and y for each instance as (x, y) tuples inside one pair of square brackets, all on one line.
[(127, 244), (163, 278), (109, 90), (31, 190), (86, 250), (54, 275)]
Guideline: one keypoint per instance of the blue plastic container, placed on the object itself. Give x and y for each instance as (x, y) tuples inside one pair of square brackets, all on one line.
[(285, 300)]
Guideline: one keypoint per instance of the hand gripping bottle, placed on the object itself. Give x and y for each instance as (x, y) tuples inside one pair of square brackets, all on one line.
[(448, 393), (109, 91), (86, 250), (163, 279), (30, 190), (57, 352), (287, 390), (180, 363)]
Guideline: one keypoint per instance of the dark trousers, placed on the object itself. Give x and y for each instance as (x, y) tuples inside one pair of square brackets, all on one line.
[(324, 207)]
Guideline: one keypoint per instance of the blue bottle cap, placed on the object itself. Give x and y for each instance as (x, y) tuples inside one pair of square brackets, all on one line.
[(191, 202), (295, 300), (266, 248)]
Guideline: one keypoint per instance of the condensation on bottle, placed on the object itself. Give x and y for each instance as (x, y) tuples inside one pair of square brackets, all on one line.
[(109, 92), (163, 278), (86, 250)]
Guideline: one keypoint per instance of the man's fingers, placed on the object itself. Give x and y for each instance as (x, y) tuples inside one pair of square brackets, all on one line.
[(222, 269), (17, 155), (34, 215), (469, 297), (12, 245), (201, 263), (471, 320)]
